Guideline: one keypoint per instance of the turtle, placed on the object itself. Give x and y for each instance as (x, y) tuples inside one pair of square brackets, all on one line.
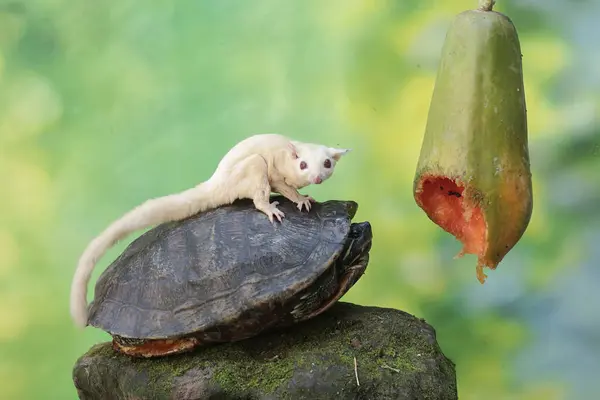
[(228, 274)]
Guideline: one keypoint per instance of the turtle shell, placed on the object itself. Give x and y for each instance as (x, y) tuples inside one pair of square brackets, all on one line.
[(218, 266)]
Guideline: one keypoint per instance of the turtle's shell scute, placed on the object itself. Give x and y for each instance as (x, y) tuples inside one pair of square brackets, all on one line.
[(191, 275)]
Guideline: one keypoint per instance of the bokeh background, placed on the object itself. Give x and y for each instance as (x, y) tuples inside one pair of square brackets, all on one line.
[(104, 104)]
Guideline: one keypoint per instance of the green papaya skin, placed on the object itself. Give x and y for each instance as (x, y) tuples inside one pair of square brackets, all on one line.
[(473, 175)]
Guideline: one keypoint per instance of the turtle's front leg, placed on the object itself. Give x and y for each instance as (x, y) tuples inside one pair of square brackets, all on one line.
[(292, 194)]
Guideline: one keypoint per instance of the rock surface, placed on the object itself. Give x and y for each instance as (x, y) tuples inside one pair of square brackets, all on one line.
[(397, 357)]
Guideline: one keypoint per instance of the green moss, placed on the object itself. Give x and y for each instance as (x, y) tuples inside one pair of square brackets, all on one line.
[(101, 350), (401, 351), (254, 377)]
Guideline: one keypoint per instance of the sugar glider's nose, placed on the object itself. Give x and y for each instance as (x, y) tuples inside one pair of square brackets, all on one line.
[(318, 180)]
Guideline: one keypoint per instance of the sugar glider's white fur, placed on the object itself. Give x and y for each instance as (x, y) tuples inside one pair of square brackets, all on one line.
[(253, 168)]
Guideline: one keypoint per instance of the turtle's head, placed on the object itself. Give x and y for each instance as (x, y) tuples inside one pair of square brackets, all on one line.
[(358, 243)]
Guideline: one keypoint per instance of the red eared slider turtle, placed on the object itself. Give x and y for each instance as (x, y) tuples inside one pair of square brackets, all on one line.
[(228, 274)]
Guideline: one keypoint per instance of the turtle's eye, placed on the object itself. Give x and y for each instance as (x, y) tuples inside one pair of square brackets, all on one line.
[(303, 165), (327, 163)]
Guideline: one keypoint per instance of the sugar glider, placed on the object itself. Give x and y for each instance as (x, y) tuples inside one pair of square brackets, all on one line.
[(253, 168)]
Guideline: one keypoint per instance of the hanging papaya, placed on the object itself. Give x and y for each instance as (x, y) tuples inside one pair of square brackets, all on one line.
[(473, 175)]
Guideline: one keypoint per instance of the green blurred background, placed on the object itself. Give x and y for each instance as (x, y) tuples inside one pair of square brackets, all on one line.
[(104, 104)]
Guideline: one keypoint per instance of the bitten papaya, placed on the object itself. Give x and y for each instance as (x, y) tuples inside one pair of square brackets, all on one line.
[(473, 175)]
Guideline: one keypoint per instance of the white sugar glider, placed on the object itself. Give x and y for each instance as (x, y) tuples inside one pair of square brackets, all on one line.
[(253, 168)]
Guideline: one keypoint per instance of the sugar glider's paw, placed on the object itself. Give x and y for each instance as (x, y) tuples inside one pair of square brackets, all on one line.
[(273, 211), (305, 202)]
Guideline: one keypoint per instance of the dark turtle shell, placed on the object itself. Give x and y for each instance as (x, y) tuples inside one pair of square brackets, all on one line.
[(229, 273)]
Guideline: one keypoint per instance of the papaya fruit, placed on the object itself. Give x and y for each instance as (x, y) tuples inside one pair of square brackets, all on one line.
[(473, 174)]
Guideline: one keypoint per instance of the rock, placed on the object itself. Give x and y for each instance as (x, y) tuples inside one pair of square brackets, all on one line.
[(397, 357)]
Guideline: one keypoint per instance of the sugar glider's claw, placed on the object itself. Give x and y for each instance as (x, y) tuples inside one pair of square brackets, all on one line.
[(275, 212), (306, 203)]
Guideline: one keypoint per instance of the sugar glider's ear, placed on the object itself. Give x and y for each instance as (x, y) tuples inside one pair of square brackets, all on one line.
[(293, 150), (337, 153)]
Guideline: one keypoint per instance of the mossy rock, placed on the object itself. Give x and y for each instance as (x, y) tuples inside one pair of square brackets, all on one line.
[(397, 357)]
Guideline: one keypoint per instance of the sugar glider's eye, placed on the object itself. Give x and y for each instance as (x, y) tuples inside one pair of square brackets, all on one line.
[(327, 163), (303, 165)]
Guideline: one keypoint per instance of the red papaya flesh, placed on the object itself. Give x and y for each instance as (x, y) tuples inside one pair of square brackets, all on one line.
[(473, 175)]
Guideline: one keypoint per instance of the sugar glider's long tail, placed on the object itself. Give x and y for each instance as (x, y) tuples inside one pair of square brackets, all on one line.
[(152, 212)]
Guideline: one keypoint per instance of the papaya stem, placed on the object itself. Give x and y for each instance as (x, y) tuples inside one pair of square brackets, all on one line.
[(486, 5)]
